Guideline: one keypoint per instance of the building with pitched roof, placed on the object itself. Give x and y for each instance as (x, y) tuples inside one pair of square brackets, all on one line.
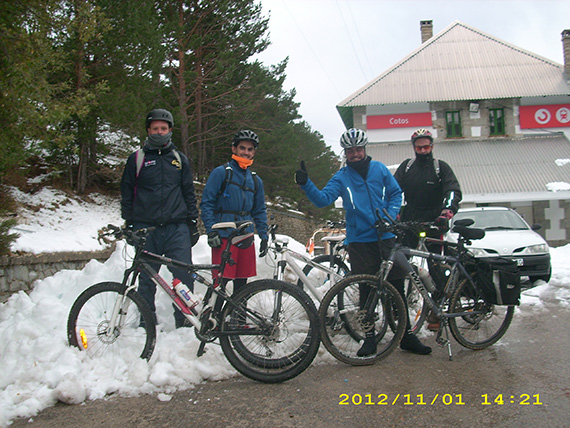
[(500, 116)]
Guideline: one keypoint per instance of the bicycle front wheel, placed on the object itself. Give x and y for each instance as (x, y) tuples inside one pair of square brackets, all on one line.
[(270, 331), (481, 323), (89, 329), (346, 320)]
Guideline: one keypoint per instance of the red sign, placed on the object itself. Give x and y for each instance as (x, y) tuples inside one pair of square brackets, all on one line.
[(398, 120), (547, 116)]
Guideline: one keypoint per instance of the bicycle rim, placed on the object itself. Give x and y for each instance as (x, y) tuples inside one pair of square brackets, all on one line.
[(278, 345), (483, 324), (88, 324), (344, 324)]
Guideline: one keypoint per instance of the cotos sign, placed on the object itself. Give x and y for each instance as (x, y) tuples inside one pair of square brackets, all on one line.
[(398, 120), (547, 116)]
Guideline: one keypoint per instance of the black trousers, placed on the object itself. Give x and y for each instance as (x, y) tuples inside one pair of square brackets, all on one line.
[(366, 258)]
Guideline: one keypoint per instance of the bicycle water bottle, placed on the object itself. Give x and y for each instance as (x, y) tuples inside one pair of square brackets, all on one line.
[(185, 294), (427, 279)]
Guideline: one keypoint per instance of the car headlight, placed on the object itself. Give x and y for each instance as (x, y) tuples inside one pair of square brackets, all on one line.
[(479, 252), (536, 249)]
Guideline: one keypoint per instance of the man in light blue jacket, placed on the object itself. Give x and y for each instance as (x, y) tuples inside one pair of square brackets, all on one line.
[(366, 187)]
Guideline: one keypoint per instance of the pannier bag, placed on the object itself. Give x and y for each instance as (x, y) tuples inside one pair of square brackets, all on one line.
[(500, 280)]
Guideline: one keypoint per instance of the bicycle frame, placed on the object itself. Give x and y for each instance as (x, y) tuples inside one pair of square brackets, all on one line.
[(200, 320)]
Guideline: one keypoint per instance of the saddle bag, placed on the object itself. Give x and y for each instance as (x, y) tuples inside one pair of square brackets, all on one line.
[(500, 280)]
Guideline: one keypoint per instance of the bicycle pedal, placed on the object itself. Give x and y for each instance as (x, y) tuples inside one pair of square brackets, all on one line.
[(441, 341)]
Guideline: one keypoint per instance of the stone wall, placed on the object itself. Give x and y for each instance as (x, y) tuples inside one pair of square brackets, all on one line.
[(18, 272), (297, 226)]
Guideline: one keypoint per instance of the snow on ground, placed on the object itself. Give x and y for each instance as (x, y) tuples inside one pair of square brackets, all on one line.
[(38, 366)]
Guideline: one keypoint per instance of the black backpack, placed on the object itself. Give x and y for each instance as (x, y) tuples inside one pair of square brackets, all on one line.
[(228, 180), (435, 166)]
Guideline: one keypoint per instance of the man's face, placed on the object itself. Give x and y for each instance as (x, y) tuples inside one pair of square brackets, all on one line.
[(244, 149), (355, 154), (423, 146), (158, 127)]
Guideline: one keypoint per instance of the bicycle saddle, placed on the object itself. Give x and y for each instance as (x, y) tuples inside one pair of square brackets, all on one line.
[(469, 232), (232, 224), (334, 238)]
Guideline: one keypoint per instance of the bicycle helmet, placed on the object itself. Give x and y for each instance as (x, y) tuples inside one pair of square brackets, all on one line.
[(353, 138), (421, 133), (246, 134), (159, 114)]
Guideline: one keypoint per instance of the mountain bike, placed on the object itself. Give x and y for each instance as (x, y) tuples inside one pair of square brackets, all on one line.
[(268, 331), (477, 313)]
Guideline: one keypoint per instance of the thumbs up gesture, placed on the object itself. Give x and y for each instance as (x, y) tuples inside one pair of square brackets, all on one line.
[(301, 176)]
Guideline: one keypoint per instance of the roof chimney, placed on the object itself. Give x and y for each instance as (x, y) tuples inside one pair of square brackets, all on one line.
[(426, 28), (566, 51)]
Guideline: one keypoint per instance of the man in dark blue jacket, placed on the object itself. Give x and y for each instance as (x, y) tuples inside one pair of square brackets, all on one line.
[(157, 190), (234, 193), (366, 187)]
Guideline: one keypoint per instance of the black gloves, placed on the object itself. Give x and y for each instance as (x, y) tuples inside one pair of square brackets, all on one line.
[(214, 239), (263, 248), (194, 234), (442, 222), (301, 176)]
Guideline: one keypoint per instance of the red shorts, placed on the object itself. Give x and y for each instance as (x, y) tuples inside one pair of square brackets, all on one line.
[(245, 259)]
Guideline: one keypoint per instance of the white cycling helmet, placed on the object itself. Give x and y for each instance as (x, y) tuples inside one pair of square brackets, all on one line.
[(353, 138)]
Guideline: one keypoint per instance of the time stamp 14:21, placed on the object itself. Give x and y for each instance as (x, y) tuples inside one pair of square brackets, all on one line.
[(445, 399)]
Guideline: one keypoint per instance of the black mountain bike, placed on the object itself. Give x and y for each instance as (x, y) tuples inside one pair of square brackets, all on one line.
[(268, 331)]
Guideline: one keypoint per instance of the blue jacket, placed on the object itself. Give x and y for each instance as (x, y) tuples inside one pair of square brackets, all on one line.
[(360, 199), (242, 197)]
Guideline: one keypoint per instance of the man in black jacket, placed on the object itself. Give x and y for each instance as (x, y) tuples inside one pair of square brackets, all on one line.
[(431, 193), (157, 190), (431, 190)]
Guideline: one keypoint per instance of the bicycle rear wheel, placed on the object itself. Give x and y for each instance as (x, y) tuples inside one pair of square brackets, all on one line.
[(344, 325), (89, 317), (482, 323), (277, 344)]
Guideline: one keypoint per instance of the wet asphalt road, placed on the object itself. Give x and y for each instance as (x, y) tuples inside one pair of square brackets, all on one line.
[(530, 365)]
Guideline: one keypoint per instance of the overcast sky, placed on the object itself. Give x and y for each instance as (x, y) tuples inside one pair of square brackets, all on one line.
[(337, 46)]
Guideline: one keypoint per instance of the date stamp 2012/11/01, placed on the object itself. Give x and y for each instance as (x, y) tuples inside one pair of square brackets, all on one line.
[(445, 399)]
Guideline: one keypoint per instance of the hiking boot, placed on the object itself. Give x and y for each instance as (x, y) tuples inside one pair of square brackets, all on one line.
[(368, 347), (412, 344)]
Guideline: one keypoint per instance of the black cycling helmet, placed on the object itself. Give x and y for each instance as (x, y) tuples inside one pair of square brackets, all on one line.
[(421, 133), (353, 138), (159, 114), (246, 134)]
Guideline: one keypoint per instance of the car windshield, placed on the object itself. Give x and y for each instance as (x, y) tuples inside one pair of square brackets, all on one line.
[(493, 220)]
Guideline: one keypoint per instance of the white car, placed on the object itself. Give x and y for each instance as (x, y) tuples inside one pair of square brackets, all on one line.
[(508, 235)]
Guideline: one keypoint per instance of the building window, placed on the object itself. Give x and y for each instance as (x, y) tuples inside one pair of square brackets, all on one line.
[(497, 121), (453, 120)]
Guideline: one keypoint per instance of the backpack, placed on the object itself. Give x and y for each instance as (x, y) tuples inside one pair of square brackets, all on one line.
[(228, 180), (139, 159), (435, 166)]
